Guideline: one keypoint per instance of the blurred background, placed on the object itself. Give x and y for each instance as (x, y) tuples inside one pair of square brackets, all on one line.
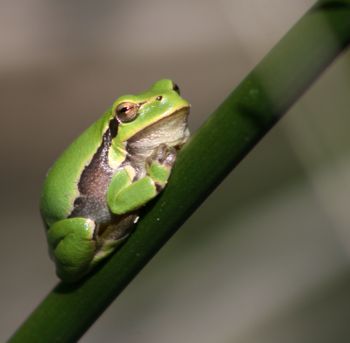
[(266, 258)]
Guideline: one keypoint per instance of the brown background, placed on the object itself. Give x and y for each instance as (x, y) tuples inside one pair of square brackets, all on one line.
[(266, 258)]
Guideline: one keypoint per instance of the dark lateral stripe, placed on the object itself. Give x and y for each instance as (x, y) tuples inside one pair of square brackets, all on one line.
[(95, 177)]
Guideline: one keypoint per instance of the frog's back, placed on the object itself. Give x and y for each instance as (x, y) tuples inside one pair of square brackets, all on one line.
[(61, 183)]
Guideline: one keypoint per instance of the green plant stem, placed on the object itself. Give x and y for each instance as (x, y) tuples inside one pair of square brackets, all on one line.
[(229, 134)]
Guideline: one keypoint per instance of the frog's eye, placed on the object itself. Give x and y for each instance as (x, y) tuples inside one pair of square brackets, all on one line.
[(176, 88), (126, 111)]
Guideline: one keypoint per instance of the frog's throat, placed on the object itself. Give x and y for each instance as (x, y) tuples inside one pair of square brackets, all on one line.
[(171, 130)]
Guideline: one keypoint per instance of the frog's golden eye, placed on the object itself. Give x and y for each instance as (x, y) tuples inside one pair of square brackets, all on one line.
[(176, 88), (126, 111)]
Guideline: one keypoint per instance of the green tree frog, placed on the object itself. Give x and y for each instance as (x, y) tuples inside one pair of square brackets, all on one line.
[(93, 192)]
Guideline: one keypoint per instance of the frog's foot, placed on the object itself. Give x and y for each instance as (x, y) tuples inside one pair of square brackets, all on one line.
[(164, 155), (125, 195), (110, 237), (72, 247), (160, 163)]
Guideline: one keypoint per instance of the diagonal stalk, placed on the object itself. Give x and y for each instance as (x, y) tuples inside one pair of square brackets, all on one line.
[(231, 132)]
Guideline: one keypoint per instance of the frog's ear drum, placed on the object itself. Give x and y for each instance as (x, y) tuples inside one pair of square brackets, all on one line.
[(126, 112)]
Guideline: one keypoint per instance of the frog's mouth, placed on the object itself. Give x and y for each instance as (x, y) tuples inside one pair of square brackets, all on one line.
[(171, 130)]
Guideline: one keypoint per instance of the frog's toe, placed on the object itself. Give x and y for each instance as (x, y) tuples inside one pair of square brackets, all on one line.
[(170, 157), (164, 154)]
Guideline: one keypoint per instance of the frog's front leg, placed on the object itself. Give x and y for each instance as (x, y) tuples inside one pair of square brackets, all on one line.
[(124, 195), (72, 246)]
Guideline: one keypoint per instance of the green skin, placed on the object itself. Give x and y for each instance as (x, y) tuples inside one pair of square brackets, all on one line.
[(92, 194)]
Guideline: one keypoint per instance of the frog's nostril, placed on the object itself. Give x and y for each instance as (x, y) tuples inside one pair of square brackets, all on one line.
[(176, 88)]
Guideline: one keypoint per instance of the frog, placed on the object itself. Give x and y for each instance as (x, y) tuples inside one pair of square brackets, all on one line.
[(93, 194)]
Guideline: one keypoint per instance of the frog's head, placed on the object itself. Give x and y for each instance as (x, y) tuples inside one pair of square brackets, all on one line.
[(156, 116)]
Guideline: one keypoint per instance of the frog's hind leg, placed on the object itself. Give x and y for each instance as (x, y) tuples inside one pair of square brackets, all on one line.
[(111, 236), (72, 246)]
